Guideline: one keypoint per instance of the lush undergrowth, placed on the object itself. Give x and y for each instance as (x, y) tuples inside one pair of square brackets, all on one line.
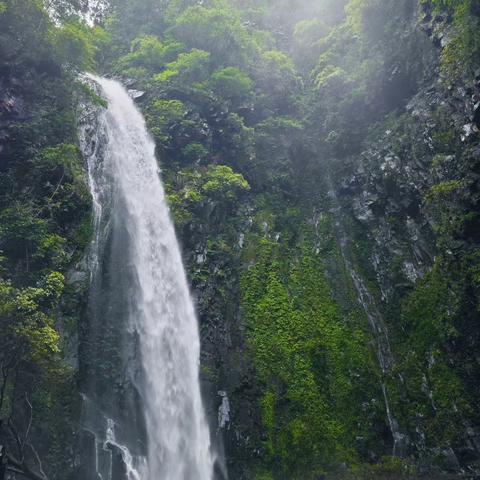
[(44, 228), (273, 121)]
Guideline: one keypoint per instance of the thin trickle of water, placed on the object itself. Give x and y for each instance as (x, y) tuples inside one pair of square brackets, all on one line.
[(399, 439), (374, 318), (380, 334), (377, 325), (160, 310), (136, 467)]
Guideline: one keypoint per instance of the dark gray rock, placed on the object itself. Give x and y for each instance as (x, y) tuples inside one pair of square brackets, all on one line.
[(119, 467), (13, 106), (84, 468), (476, 114)]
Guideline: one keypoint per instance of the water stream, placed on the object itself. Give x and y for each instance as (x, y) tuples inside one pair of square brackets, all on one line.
[(127, 192), (376, 323), (380, 333)]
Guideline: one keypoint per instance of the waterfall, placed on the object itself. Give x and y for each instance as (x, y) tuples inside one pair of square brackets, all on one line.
[(150, 291)]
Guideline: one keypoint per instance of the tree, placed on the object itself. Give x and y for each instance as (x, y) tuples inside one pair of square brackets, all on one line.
[(278, 83), (215, 30), (27, 337), (223, 184), (231, 83), (149, 53), (74, 45), (162, 116), (193, 188), (127, 19), (189, 69), (63, 9), (306, 37)]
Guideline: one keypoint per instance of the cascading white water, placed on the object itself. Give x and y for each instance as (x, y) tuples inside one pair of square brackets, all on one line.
[(136, 468), (161, 311)]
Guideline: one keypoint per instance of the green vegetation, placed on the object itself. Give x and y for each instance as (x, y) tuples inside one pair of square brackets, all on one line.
[(261, 110), (191, 191), (462, 51), (44, 212), (311, 360)]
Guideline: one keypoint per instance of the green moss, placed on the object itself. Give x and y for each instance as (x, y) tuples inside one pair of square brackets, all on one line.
[(309, 361), (461, 52), (426, 382)]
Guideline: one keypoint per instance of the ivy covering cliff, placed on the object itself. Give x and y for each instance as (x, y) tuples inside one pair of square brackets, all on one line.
[(321, 161)]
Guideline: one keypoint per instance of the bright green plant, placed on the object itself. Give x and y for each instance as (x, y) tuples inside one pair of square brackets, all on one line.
[(195, 151), (305, 357), (223, 184), (189, 69), (73, 43), (230, 83), (215, 30), (162, 115), (148, 52)]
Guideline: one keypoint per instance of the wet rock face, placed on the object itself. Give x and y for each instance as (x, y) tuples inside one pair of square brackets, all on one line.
[(84, 468), (13, 108), (386, 193), (12, 104), (385, 196), (384, 200), (231, 398), (119, 468)]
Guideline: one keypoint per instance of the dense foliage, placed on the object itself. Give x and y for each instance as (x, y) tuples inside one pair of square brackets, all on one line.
[(44, 212), (303, 188)]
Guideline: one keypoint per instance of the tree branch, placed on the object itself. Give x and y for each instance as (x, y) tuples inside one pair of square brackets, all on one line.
[(3, 387), (29, 422), (14, 433), (40, 468), (14, 470), (25, 469), (54, 193), (11, 426)]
